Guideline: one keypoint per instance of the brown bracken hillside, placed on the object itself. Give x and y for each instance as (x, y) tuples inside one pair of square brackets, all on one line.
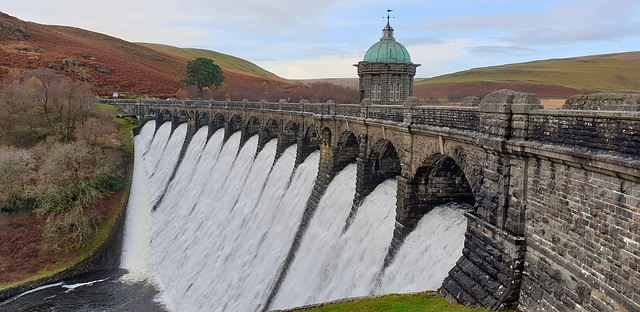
[(109, 64)]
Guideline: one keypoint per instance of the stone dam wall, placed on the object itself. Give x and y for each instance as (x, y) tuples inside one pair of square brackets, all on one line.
[(555, 224)]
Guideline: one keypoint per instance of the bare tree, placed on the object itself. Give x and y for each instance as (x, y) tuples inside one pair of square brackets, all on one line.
[(44, 104)]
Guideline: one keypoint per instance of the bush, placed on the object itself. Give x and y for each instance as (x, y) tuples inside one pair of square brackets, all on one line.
[(17, 169), (73, 178)]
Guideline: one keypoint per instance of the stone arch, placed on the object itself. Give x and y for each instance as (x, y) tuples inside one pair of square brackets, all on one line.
[(179, 118), (150, 113), (164, 116), (473, 172), (235, 124), (218, 121), (384, 160), (289, 136), (311, 134), (252, 127), (325, 136), (381, 164), (202, 119), (347, 150), (182, 117), (268, 132), (272, 127), (291, 129), (308, 142), (437, 181)]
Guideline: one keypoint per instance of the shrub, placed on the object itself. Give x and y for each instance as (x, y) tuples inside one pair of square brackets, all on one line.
[(17, 169)]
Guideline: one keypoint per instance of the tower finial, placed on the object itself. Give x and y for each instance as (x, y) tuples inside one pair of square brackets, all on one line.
[(389, 15), (387, 31)]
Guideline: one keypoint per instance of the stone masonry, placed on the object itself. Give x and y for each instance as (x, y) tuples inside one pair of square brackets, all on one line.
[(555, 223)]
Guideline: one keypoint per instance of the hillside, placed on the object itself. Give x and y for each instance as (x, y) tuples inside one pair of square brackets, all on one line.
[(549, 78), (109, 64), (225, 61)]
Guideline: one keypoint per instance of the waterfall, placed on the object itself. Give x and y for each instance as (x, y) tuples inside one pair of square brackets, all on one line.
[(227, 219), (428, 253)]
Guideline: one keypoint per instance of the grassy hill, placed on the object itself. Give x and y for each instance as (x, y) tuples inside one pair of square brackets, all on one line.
[(223, 60), (549, 78), (109, 64)]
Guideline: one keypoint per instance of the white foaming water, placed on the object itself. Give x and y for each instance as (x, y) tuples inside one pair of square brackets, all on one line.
[(329, 265), (153, 154), (307, 274), (222, 231), (166, 164), (428, 253), (219, 242), (137, 228)]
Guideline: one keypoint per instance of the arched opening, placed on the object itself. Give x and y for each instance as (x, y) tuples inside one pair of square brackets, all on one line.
[(309, 142), (202, 119), (183, 117), (311, 136), (271, 129), (253, 126), (235, 124), (384, 161), (290, 131), (164, 116), (438, 181), (218, 122), (347, 150), (325, 137), (287, 137), (150, 113)]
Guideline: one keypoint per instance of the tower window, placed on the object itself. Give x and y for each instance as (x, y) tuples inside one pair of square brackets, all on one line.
[(373, 91), (397, 92), (379, 91), (391, 91)]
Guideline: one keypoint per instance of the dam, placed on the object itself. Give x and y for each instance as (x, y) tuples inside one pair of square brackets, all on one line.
[(222, 231), (549, 197)]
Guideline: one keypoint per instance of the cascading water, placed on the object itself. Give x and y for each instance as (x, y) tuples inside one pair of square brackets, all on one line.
[(221, 233), (428, 253), (137, 231)]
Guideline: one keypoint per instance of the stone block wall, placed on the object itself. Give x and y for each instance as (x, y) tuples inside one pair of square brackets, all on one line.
[(606, 131), (604, 101), (582, 232), (455, 118), (489, 272)]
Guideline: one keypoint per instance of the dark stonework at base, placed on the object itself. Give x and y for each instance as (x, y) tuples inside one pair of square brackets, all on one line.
[(489, 272)]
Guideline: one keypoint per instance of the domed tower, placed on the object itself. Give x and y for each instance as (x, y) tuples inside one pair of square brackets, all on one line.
[(386, 73)]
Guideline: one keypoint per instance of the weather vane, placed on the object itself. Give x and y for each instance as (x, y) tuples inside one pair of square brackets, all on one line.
[(388, 15)]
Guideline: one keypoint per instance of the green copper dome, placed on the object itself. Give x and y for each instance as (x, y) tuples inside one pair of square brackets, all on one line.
[(387, 50)]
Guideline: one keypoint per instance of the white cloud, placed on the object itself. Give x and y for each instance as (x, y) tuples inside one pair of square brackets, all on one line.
[(332, 67), (566, 22)]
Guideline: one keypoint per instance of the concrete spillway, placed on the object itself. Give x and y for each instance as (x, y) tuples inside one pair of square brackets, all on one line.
[(218, 239)]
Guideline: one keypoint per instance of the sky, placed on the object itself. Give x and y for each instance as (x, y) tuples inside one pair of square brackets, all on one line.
[(302, 39)]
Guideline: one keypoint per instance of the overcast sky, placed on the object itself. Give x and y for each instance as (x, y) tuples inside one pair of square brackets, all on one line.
[(321, 39)]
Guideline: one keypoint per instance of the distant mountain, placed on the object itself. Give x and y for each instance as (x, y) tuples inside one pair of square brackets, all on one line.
[(618, 72), (109, 64)]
